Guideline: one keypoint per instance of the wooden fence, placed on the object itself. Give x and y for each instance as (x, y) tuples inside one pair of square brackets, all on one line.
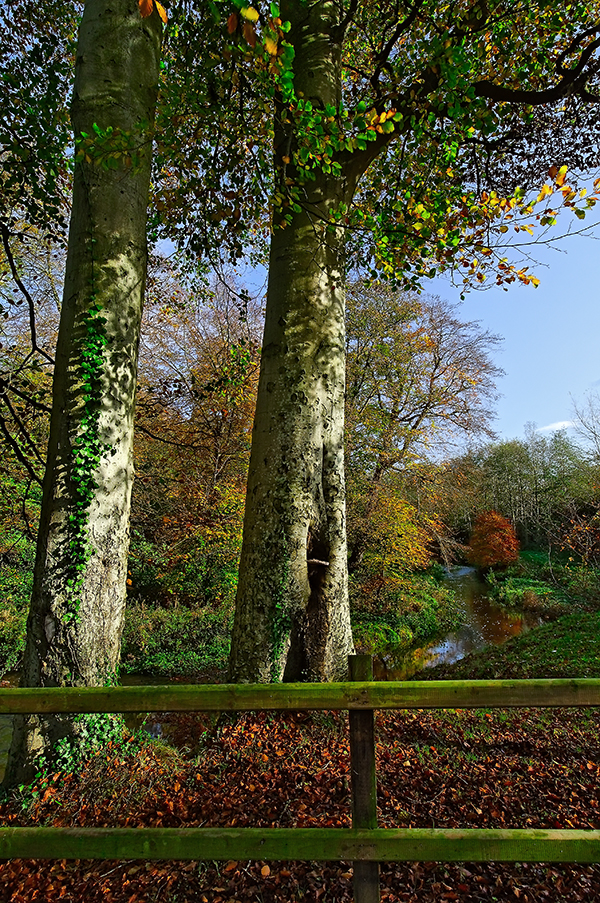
[(365, 844)]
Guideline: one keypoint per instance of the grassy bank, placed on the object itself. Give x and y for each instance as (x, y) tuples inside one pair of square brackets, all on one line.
[(549, 587), (163, 642), (180, 638), (566, 647)]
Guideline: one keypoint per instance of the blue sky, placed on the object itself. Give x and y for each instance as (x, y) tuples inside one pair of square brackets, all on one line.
[(551, 348)]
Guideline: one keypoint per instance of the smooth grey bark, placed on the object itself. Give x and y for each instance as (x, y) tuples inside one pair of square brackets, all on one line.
[(292, 618), (116, 80)]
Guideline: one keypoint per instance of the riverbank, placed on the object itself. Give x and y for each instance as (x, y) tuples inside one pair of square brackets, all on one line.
[(565, 644), (185, 639), (545, 586), (566, 647)]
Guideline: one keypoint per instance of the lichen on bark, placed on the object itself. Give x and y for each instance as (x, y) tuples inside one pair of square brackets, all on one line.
[(89, 470), (292, 614)]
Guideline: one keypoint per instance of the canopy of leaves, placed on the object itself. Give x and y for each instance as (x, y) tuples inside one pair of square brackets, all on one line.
[(438, 101), (37, 46)]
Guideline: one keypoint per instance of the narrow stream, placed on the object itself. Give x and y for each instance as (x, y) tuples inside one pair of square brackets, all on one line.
[(483, 623)]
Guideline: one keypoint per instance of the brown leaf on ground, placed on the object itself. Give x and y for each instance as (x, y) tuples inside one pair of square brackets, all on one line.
[(524, 768)]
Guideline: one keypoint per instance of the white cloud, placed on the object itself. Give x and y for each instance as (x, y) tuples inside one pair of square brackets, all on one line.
[(559, 425)]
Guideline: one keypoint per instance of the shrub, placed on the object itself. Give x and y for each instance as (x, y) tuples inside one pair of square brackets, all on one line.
[(493, 542), (184, 641)]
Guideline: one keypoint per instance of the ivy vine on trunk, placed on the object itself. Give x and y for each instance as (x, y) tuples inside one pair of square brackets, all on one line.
[(76, 614)]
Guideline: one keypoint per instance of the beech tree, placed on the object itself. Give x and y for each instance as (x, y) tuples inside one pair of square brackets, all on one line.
[(366, 135), (418, 378), (420, 83), (76, 614)]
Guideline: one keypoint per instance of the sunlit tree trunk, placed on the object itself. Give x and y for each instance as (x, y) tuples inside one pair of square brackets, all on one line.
[(292, 614), (76, 614)]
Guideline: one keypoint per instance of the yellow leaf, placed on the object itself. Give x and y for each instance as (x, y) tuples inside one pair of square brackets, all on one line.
[(562, 173), (161, 11), (546, 190), (146, 7), (248, 12), (271, 46)]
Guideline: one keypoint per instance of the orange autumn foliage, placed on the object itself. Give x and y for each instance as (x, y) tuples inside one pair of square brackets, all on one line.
[(493, 541)]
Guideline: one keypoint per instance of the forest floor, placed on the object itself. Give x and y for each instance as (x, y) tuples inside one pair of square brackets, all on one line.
[(528, 768), (505, 769)]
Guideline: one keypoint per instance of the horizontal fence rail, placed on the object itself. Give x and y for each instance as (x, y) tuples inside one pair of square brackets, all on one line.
[(318, 844), (363, 843), (434, 694)]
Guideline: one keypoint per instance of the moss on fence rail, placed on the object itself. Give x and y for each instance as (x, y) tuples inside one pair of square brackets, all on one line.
[(379, 845), (442, 694)]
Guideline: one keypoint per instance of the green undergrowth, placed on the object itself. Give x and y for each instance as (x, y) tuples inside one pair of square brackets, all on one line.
[(551, 588), (191, 572), (566, 647), (403, 615), (17, 555), (159, 641), (171, 629), (175, 641)]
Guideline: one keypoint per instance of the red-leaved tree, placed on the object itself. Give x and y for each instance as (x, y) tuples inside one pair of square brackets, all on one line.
[(493, 541)]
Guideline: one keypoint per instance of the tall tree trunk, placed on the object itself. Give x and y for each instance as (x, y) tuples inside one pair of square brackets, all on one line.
[(292, 615), (76, 614)]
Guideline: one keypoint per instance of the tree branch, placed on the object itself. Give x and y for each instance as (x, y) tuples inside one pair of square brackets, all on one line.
[(24, 292), (22, 429), (382, 59), (573, 82), (14, 445)]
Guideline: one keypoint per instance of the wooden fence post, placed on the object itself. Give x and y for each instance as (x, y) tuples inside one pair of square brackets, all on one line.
[(363, 781)]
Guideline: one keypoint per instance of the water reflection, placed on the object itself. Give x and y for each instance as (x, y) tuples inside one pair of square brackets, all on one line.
[(483, 623)]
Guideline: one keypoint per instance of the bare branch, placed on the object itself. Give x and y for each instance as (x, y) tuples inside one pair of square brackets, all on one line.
[(18, 281), (14, 445)]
